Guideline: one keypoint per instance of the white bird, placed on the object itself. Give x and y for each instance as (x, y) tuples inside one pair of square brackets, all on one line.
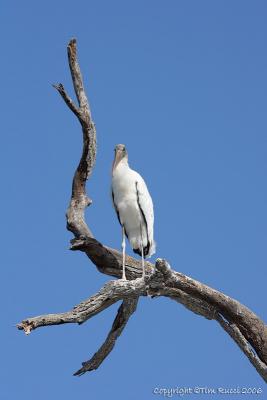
[(134, 207)]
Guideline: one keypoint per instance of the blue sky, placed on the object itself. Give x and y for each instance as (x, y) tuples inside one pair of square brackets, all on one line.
[(183, 85)]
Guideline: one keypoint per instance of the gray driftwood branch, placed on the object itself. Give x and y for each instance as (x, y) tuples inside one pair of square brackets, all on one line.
[(242, 325)]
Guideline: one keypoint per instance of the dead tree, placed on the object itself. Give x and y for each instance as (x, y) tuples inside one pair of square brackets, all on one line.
[(245, 328)]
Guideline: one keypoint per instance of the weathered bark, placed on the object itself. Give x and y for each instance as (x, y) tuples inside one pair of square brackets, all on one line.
[(126, 309), (243, 326)]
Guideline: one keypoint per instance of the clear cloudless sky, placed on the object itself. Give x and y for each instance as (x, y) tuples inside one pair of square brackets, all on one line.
[(183, 85)]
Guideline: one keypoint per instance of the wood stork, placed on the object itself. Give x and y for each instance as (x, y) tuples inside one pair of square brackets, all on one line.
[(134, 207)]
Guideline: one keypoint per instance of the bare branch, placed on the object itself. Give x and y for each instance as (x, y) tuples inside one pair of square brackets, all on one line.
[(163, 281), (125, 311), (77, 79), (79, 200), (194, 295), (111, 292), (109, 261), (79, 314), (236, 335), (61, 90), (244, 326)]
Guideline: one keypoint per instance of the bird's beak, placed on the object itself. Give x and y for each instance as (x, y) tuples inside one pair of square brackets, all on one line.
[(118, 157)]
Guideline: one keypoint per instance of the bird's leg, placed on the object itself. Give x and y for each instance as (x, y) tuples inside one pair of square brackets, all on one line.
[(142, 253), (143, 261), (123, 253)]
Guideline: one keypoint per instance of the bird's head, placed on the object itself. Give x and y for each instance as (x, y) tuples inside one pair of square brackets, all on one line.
[(120, 154)]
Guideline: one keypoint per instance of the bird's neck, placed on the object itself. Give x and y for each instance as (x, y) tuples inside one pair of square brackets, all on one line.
[(121, 166)]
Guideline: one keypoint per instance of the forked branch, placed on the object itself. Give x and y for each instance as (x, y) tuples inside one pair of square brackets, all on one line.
[(244, 327)]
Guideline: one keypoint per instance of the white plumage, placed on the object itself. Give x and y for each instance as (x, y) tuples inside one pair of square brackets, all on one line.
[(133, 205)]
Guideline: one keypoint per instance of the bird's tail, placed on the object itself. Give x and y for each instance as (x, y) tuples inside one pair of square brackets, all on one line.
[(149, 250)]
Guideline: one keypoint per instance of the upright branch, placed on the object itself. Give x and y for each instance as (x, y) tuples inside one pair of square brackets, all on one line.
[(247, 330), (79, 200)]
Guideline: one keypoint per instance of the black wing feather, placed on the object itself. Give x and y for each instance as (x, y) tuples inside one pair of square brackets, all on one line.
[(147, 248)]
